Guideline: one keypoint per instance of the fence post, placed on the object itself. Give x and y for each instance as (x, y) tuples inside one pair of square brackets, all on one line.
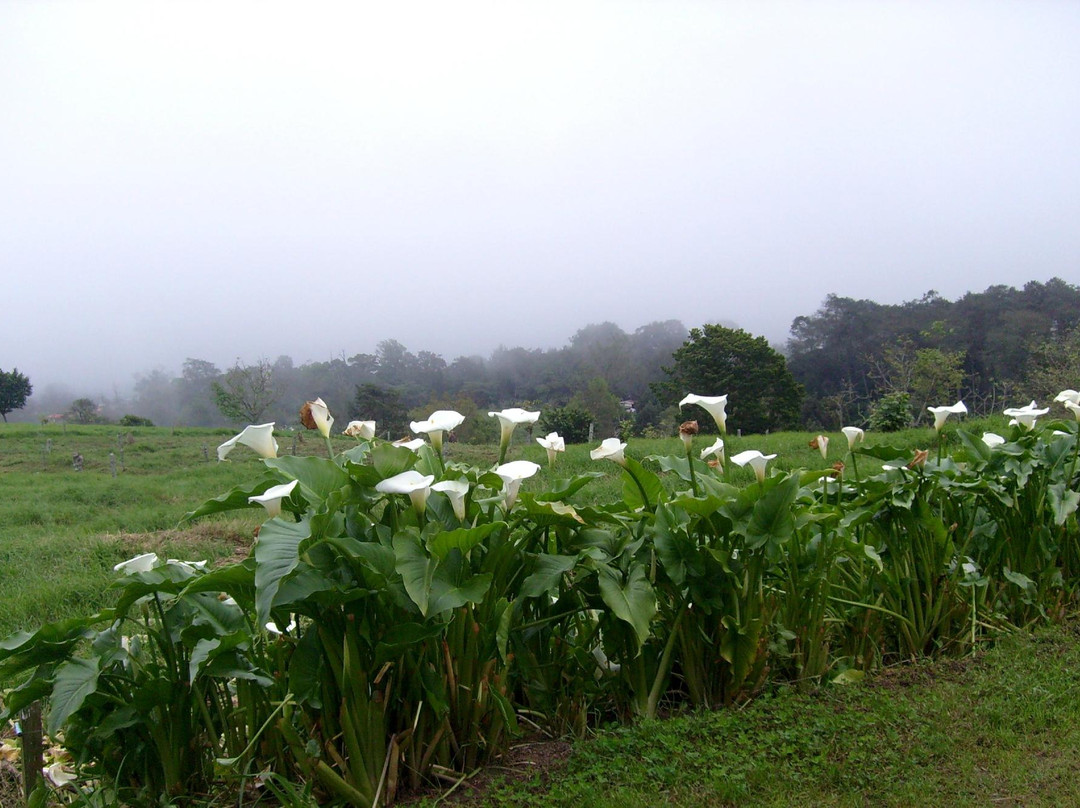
[(32, 748), (112, 464)]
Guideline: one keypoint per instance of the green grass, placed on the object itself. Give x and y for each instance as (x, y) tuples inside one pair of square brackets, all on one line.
[(1000, 729)]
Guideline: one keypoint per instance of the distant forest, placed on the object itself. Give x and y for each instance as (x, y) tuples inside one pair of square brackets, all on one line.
[(993, 349)]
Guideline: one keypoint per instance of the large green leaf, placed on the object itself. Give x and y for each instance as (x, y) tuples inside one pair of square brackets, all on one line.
[(235, 499), (276, 555), (654, 490), (773, 516), (1063, 502), (436, 585), (564, 489), (546, 573), (631, 599), (390, 460), (75, 680), (318, 476), (462, 539)]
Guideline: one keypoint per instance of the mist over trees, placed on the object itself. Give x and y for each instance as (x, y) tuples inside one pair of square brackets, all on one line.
[(993, 349)]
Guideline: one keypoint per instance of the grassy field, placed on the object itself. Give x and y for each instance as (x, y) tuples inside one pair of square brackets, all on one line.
[(996, 729)]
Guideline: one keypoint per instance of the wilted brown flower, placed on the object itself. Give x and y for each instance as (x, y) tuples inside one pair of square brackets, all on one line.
[(687, 430), (838, 468), (920, 458), (306, 417), (813, 444)]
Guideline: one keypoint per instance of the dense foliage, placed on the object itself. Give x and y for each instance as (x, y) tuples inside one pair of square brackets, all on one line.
[(401, 614), (15, 388)]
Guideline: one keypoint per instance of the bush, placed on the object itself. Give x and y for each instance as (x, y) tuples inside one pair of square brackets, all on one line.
[(891, 413), (571, 422), (135, 420)]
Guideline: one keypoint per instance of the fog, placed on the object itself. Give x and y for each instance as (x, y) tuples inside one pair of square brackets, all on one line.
[(245, 180)]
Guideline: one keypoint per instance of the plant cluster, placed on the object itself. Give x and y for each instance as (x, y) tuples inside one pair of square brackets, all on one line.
[(401, 615)]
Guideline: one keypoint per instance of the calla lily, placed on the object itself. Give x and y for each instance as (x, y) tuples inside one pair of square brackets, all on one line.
[(315, 415), (410, 482), (360, 429), (455, 491), (140, 563), (260, 438), (716, 406), (437, 423), (687, 430), (941, 413), (554, 444), (823, 446), (271, 497), (716, 449), (610, 449), (854, 436), (991, 439), (59, 775), (412, 445), (272, 627), (1074, 408), (508, 419), (1025, 416), (512, 474), (757, 462), (1068, 395)]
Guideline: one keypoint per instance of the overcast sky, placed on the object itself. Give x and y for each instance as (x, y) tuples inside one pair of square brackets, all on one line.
[(228, 180)]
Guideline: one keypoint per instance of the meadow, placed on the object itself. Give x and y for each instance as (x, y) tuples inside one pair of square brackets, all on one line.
[(607, 594)]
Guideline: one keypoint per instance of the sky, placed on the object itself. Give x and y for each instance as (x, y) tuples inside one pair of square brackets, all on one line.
[(241, 180)]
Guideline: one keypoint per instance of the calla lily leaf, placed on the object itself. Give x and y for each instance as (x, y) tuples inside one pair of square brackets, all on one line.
[(564, 489), (462, 539), (390, 460), (546, 573), (74, 681), (318, 476), (631, 599), (276, 555), (233, 500)]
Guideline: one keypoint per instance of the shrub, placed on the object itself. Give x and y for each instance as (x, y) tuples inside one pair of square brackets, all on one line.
[(571, 422), (891, 413), (135, 420)]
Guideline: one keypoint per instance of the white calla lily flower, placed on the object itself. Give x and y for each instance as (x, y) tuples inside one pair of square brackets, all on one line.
[(140, 563), (360, 429), (756, 460), (512, 474), (508, 419), (992, 439), (716, 449), (610, 449), (258, 437), (823, 446), (410, 482), (1074, 408), (941, 413), (58, 774), (271, 497), (854, 436), (1068, 395), (272, 627), (455, 491), (1025, 416), (436, 424), (316, 415), (716, 406), (412, 445), (554, 444)]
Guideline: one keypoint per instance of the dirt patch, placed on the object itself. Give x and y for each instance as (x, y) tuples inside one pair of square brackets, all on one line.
[(238, 533), (915, 674), (537, 760)]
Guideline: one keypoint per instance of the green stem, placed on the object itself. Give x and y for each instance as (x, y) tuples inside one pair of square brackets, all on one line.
[(693, 474)]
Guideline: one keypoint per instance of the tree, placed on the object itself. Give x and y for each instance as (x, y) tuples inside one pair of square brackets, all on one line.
[(246, 392), (15, 388), (85, 411), (383, 405), (762, 393)]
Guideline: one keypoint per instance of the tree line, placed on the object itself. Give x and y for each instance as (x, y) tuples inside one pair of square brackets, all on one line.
[(852, 362)]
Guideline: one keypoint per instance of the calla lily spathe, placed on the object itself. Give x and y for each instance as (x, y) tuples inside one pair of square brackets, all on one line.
[(554, 444), (992, 439), (823, 446), (610, 449), (716, 449), (271, 497), (756, 460), (140, 563), (316, 415), (941, 413), (410, 482), (259, 437), (1025, 416), (436, 424), (412, 445), (1074, 408), (854, 436), (455, 491), (360, 429), (1068, 395), (508, 419), (716, 406), (512, 474)]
